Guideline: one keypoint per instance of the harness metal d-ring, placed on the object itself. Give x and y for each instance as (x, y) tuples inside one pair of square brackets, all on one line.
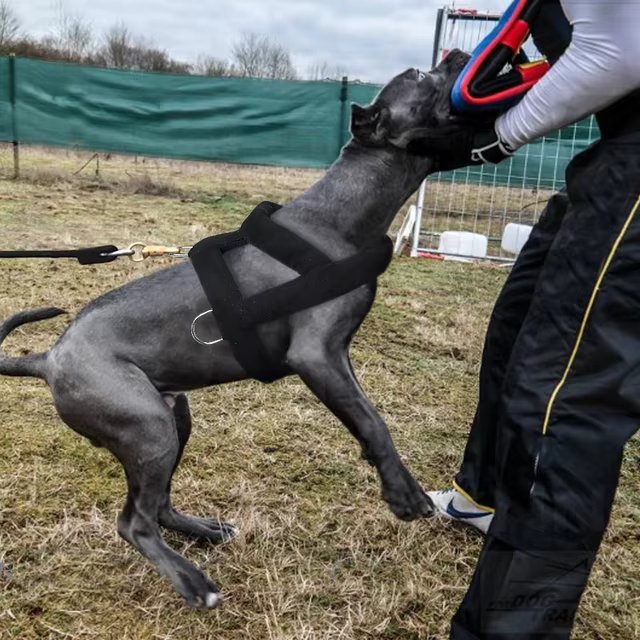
[(194, 335)]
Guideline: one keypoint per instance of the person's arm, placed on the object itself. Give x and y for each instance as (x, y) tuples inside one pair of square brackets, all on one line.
[(600, 66)]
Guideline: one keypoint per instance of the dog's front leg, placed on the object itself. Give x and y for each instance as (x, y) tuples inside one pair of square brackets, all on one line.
[(328, 373)]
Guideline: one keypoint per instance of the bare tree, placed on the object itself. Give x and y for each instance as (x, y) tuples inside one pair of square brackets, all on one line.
[(29, 48), (9, 23), (116, 50), (72, 35), (259, 57), (278, 63), (326, 71), (207, 65), (247, 55), (149, 58), (122, 50)]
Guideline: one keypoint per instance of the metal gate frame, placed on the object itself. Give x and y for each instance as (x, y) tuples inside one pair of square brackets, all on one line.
[(412, 225)]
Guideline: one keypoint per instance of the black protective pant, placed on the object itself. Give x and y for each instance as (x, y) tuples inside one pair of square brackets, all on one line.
[(559, 398)]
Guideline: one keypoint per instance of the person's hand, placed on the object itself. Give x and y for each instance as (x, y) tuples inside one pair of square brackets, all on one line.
[(458, 145)]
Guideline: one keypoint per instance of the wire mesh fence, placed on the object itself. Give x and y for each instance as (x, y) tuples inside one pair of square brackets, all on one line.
[(485, 199)]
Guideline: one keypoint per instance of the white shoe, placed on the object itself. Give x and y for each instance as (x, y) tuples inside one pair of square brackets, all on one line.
[(454, 506)]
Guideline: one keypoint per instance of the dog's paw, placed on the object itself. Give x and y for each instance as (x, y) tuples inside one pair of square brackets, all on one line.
[(205, 529), (212, 600), (406, 498), (200, 592)]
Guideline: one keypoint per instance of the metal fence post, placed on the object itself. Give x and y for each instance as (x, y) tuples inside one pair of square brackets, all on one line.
[(343, 129), (14, 126), (437, 38)]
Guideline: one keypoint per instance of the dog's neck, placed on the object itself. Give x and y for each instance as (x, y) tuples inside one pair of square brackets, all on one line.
[(362, 191)]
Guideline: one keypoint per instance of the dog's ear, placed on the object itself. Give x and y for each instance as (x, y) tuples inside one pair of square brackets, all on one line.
[(370, 125)]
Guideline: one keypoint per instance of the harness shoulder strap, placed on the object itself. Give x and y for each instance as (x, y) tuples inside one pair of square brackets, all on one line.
[(279, 242), (328, 281)]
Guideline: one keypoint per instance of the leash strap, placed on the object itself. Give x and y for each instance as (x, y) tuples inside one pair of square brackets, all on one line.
[(89, 255)]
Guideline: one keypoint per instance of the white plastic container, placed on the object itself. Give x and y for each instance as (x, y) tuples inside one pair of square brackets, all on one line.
[(514, 237), (463, 243)]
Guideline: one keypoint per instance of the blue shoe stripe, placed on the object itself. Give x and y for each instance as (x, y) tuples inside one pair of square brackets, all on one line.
[(468, 515)]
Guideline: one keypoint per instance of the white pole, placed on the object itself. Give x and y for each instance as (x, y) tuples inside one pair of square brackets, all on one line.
[(415, 244)]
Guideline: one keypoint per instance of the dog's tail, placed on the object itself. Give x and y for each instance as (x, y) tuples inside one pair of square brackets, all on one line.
[(32, 365)]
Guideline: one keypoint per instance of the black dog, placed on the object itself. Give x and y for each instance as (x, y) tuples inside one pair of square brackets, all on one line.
[(119, 372)]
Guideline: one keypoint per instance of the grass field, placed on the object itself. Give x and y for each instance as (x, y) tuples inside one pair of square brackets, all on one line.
[(319, 555)]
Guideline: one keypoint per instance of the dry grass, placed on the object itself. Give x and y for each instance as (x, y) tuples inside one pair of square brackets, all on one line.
[(319, 556)]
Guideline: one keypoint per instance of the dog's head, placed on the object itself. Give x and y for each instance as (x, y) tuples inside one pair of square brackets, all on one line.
[(408, 106)]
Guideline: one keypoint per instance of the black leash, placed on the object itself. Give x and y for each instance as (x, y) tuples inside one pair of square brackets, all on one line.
[(89, 255)]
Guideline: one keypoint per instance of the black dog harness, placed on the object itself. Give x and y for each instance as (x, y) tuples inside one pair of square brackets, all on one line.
[(321, 279)]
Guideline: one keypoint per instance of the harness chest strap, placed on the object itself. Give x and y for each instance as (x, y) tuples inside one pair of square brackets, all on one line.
[(321, 279)]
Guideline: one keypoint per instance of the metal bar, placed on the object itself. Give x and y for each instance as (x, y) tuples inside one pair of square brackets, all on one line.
[(343, 129), (404, 233), (469, 16), (417, 223), (16, 160), (437, 234), (436, 38), (14, 125), (455, 255)]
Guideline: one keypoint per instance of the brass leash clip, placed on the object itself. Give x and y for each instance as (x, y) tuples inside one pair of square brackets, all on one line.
[(138, 251)]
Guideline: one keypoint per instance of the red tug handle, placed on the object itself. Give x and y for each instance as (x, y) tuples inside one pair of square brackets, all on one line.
[(482, 85)]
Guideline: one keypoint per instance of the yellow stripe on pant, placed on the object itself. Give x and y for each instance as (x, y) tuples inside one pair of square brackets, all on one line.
[(587, 314), (482, 507)]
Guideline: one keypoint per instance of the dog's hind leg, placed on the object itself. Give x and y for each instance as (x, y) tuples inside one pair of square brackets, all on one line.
[(120, 409), (200, 528), (326, 370)]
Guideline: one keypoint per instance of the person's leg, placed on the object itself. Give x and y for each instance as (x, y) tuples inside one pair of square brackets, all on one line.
[(522, 595), (571, 400), (477, 476)]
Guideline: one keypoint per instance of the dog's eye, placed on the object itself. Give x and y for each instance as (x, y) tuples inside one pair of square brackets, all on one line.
[(421, 75)]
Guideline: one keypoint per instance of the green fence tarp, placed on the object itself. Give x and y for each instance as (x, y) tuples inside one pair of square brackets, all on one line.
[(239, 120), (228, 119), (6, 129)]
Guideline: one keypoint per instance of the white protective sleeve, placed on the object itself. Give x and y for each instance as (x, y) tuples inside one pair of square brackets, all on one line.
[(600, 66)]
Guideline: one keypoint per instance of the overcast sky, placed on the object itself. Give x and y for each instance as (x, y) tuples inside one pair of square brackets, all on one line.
[(370, 39)]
